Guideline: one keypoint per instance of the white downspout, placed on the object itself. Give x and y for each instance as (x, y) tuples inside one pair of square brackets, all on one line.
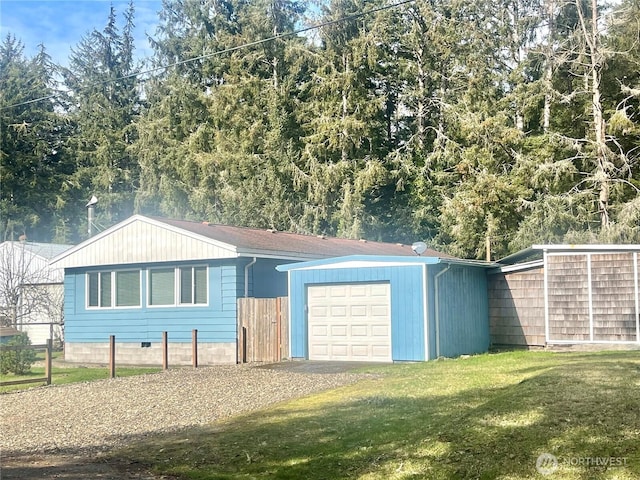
[(437, 308), (246, 276), (425, 310)]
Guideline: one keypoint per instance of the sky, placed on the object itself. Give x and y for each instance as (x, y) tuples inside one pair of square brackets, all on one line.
[(60, 24)]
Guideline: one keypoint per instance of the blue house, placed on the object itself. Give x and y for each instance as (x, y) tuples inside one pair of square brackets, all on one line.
[(145, 276), (387, 308)]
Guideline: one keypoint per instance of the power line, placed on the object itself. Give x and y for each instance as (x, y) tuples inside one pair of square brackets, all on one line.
[(226, 50)]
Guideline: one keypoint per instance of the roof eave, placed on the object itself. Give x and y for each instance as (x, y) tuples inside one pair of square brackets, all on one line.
[(588, 247), (391, 260)]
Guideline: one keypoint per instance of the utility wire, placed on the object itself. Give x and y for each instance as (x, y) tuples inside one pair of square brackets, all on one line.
[(226, 50)]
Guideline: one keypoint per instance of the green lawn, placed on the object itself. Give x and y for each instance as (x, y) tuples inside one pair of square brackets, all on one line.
[(69, 374), (483, 417)]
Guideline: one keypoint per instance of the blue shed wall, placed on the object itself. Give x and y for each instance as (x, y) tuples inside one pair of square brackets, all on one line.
[(407, 305), (464, 310)]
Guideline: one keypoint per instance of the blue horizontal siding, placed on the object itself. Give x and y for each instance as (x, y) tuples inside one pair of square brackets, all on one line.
[(407, 312), (215, 322), (265, 281)]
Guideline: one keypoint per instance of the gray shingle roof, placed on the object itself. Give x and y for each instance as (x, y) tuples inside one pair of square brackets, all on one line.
[(253, 239)]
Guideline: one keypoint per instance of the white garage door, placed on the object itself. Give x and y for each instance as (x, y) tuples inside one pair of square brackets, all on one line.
[(350, 322)]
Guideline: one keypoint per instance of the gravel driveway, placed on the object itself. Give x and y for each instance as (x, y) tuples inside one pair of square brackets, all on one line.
[(88, 418)]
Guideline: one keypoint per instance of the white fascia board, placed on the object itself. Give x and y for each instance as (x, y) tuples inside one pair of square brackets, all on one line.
[(360, 261), (359, 264), (298, 257), (468, 263), (588, 248), (365, 261), (518, 267)]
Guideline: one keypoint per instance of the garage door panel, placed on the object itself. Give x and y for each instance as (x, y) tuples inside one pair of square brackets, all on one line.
[(319, 311), (380, 290), (379, 351), (359, 330), (320, 350), (349, 322), (338, 350), (358, 291), (360, 351), (320, 331), (380, 331), (379, 311), (318, 292), (339, 331), (337, 291), (338, 311)]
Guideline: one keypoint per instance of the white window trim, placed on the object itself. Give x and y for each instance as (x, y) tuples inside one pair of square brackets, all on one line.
[(176, 287), (113, 305)]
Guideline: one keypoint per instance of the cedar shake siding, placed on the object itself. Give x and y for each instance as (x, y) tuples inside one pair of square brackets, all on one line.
[(575, 294), (568, 292), (516, 308), (609, 278)]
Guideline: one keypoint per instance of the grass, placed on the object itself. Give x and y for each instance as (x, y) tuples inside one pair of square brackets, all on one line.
[(69, 374), (484, 417)]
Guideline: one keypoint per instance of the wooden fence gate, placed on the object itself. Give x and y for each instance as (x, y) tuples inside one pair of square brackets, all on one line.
[(263, 329)]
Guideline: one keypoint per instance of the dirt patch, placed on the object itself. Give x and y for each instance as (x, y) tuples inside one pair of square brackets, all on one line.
[(72, 467), (319, 367)]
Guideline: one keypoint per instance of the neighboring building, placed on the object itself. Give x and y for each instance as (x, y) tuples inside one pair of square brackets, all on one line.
[(387, 308), (31, 290), (7, 334), (145, 276), (566, 294)]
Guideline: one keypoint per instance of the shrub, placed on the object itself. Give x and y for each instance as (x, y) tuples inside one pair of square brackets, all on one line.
[(17, 361)]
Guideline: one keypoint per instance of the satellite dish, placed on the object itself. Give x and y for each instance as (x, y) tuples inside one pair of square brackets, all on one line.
[(419, 248), (92, 202)]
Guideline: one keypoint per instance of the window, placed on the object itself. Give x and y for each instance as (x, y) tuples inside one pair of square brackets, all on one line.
[(182, 286), (162, 286), (193, 285), (128, 288), (121, 288)]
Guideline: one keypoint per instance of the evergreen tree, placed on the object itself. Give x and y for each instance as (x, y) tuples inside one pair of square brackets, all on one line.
[(104, 105), (33, 163)]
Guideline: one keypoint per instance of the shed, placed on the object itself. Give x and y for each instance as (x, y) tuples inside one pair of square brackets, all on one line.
[(148, 275), (31, 292), (7, 334), (387, 308), (566, 294)]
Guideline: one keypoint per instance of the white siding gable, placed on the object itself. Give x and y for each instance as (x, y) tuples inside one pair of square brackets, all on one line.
[(143, 240)]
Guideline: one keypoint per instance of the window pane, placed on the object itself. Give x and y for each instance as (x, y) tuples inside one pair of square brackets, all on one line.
[(200, 277), (105, 289), (93, 289), (128, 289), (161, 286), (186, 287)]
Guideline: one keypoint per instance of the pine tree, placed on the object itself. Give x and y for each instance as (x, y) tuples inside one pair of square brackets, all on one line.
[(33, 162), (104, 105)]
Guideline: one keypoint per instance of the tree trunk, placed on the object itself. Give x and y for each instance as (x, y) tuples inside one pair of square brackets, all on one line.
[(345, 110), (421, 107), (592, 80), (548, 69)]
